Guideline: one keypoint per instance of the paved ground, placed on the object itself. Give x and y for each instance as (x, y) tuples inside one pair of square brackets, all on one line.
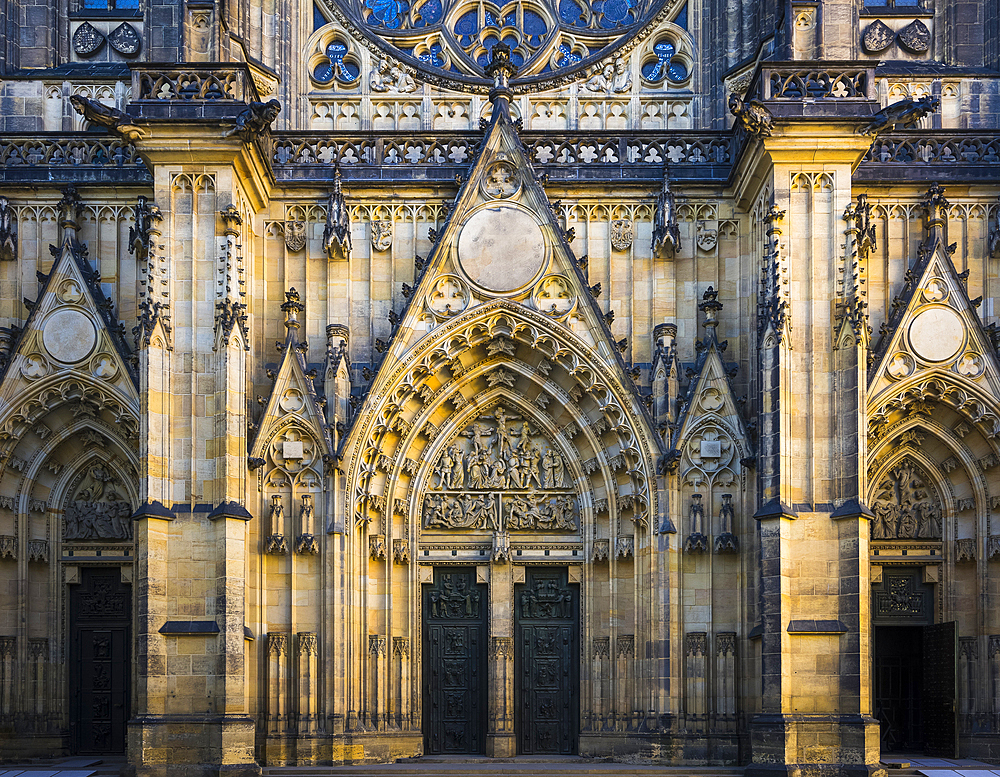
[(514, 767)]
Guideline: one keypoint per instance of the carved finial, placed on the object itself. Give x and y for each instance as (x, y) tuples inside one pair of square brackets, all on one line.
[(231, 218), (337, 233), (711, 307), (935, 215), (666, 233), (70, 211), (291, 308), (501, 69)]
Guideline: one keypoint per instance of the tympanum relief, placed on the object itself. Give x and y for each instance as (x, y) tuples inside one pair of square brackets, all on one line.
[(99, 510), (500, 474), (905, 506)]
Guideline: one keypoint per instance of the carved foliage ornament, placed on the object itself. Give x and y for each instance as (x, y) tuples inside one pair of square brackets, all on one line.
[(905, 505)]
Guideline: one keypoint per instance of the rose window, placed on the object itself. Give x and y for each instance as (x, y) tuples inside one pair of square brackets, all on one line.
[(448, 42)]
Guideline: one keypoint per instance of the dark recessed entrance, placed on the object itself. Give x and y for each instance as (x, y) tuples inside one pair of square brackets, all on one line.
[(914, 667), (99, 661)]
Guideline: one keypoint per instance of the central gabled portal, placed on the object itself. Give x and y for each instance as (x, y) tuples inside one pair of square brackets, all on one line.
[(501, 435)]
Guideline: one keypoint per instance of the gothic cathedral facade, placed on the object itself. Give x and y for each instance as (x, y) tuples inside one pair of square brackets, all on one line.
[(382, 378)]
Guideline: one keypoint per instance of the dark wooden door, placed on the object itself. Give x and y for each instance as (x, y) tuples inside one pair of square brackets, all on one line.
[(940, 653), (455, 673), (547, 659), (100, 661)]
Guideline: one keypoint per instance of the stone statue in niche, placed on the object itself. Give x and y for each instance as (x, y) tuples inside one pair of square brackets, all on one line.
[(499, 474), (905, 507), (100, 510), (8, 232)]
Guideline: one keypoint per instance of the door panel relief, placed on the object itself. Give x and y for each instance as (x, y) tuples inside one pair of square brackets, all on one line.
[(100, 612), (455, 675), (547, 627)]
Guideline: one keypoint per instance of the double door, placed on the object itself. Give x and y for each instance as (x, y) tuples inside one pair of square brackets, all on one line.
[(546, 661)]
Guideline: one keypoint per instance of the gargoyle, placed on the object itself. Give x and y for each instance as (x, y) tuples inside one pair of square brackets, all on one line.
[(114, 120), (905, 113), (255, 120), (752, 114)]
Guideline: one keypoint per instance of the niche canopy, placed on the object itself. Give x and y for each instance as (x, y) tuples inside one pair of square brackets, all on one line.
[(448, 42)]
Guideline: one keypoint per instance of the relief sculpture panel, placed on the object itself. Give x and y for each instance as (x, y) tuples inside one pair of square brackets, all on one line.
[(500, 474), (905, 506)]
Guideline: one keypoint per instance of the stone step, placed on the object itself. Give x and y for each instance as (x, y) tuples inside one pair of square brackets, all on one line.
[(491, 767)]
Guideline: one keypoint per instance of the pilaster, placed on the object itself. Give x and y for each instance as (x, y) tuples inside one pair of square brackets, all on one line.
[(195, 713), (813, 528)]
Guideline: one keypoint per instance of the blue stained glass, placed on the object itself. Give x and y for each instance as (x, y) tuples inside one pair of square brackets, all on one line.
[(566, 56), (428, 13), (318, 19), (323, 73), (615, 13), (677, 72), (490, 21), (345, 72), (534, 27), (467, 27), (571, 12), (682, 18), (433, 56), (387, 13), (657, 71)]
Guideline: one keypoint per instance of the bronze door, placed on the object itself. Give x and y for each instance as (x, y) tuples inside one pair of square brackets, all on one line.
[(455, 675), (547, 660), (100, 647), (940, 656)]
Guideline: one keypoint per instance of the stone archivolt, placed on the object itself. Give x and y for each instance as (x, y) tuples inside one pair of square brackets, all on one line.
[(602, 428)]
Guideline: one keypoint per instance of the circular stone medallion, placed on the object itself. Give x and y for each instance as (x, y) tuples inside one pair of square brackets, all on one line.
[(69, 336), (937, 334), (501, 248)]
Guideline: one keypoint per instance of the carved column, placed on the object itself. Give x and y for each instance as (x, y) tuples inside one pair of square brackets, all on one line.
[(696, 681), (725, 681), (8, 654), (600, 677), (401, 677), (307, 650), (500, 742), (377, 681), (624, 681), (501, 685), (277, 679)]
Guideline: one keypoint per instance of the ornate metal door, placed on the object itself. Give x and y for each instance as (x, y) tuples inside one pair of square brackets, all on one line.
[(455, 674), (547, 660), (939, 692), (100, 648)]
